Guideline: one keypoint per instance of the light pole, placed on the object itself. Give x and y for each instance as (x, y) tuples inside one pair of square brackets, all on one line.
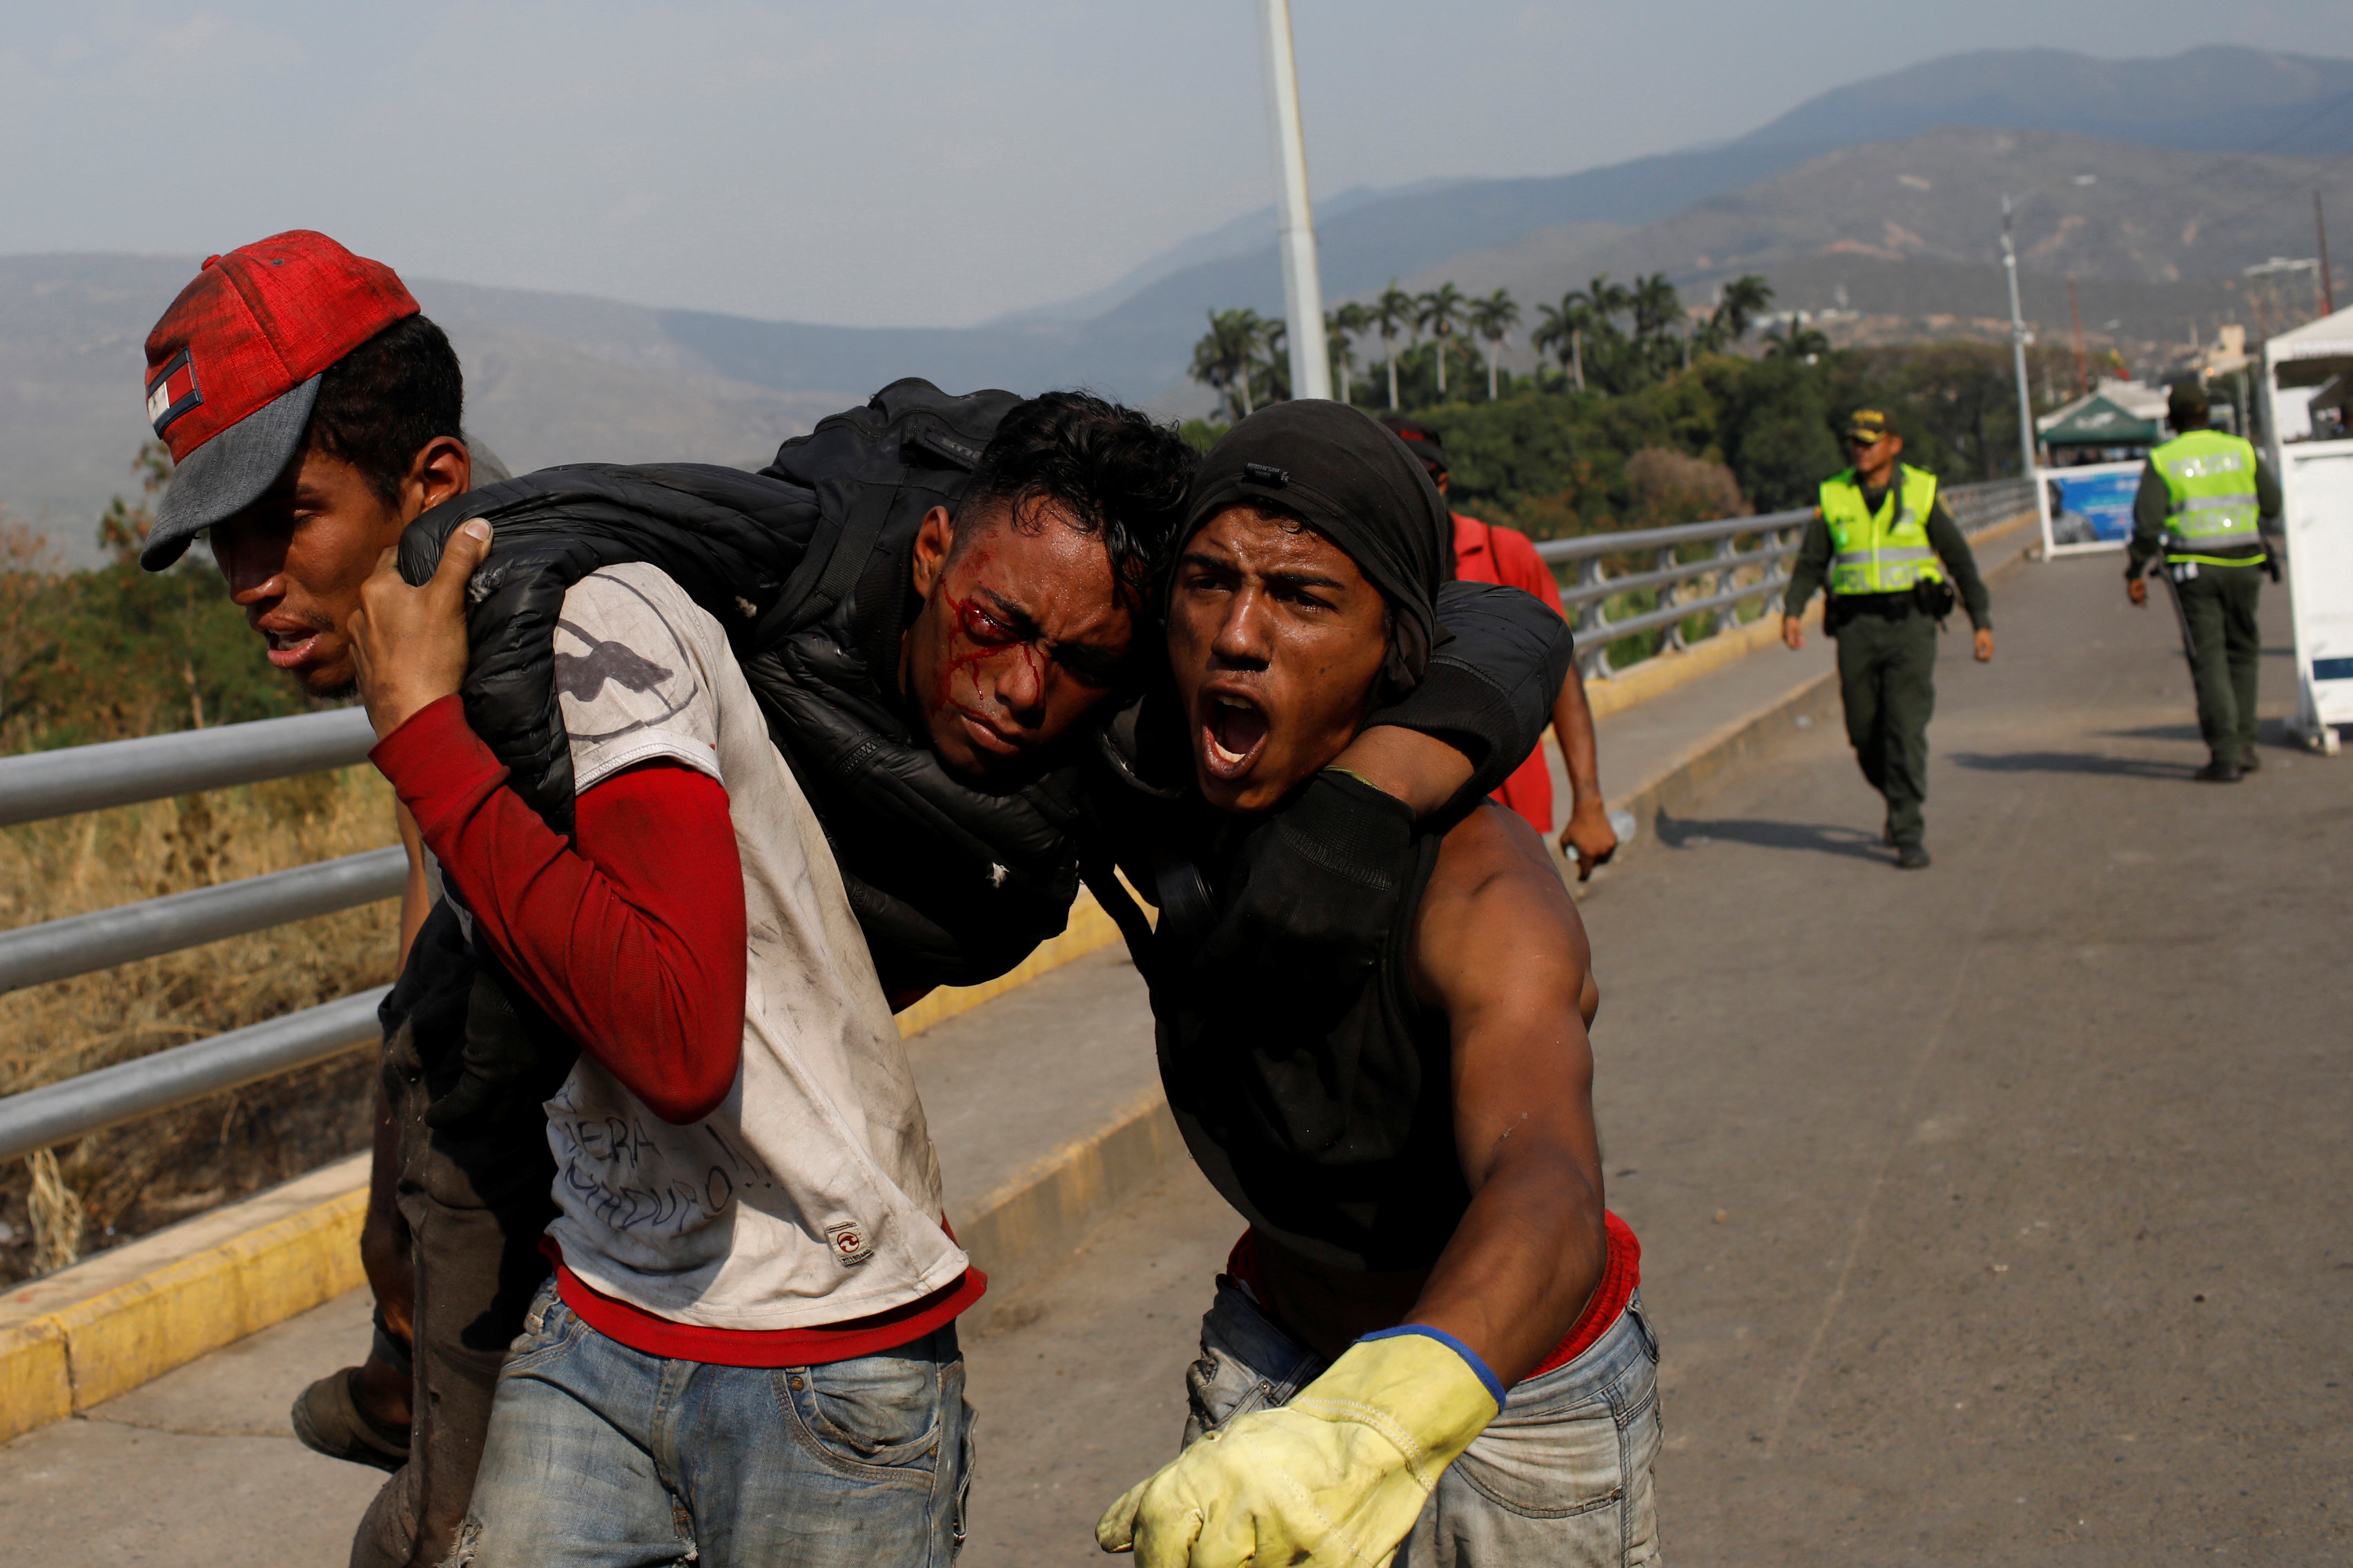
[(1302, 291), (2018, 347), (2010, 205)]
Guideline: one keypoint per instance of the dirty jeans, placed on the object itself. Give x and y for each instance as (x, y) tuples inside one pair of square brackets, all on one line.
[(1562, 1478), (603, 1454), (474, 1201)]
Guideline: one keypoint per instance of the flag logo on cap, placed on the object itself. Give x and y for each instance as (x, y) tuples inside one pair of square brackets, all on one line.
[(173, 392)]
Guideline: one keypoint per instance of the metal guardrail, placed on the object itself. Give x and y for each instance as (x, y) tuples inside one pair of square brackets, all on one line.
[(58, 948), (58, 1113), (122, 773), (43, 785), (1745, 563)]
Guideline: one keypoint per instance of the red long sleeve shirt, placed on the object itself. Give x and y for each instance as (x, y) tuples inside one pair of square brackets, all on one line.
[(631, 937)]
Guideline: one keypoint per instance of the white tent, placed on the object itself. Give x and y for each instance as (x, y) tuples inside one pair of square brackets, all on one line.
[(2316, 481)]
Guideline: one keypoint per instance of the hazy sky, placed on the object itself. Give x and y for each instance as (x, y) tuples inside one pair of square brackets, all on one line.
[(908, 163)]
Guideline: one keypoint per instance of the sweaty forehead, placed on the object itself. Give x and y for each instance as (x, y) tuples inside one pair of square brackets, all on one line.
[(1273, 542)]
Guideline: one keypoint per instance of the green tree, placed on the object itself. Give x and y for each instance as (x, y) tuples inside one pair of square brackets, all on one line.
[(1391, 314), (1438, 312), (1273, 360), (123, 526), (1561, 331), (1493, 318), (1342, 328), (1658, 321), (1737, 305), (1793, 339), (1223, 358)]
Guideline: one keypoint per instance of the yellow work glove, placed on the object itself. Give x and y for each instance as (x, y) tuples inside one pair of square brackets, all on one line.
[(1334, 1479)]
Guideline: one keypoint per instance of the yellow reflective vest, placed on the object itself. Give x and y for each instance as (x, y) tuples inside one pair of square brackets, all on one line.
[(2211, 478), (1884, 553)]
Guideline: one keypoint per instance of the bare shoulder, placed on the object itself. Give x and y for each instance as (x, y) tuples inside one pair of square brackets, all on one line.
[(1495, 907)]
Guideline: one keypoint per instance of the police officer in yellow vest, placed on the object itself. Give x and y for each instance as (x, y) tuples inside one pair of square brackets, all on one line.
[(2203, 499), (1893, 557)]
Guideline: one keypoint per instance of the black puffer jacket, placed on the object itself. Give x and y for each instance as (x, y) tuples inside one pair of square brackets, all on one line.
[(806, 566)]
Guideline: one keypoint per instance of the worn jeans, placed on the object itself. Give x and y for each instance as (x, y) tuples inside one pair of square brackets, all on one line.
[(600, 1454), (473, 1202), (1561, 1478)]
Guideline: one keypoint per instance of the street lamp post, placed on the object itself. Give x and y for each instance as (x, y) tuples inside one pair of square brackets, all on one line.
[(1302, 291), (2018, 343)]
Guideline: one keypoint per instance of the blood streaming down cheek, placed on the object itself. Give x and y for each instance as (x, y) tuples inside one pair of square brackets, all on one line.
[(969, 652)]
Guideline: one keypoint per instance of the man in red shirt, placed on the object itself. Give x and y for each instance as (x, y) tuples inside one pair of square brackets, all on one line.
[(1485, 552)]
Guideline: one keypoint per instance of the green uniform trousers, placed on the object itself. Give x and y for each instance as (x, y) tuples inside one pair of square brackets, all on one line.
[(2225, 645), (1887, 679)]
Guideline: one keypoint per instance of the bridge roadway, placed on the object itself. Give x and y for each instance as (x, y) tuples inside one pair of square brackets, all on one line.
[(1991, 1214)]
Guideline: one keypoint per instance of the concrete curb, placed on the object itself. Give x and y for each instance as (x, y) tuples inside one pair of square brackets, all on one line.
[(101, 1328), (1040, 1213), (84, 1334)]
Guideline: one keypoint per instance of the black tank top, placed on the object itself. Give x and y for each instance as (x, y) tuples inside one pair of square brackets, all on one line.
[(1329, 1125)]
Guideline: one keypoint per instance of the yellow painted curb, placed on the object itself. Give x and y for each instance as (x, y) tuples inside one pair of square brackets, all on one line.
[(1037, 1211), (36, 1388), (1090, 931), (80, 1336)]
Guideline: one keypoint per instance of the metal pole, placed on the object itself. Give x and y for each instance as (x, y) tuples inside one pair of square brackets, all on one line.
[(2018, 348), (2328, 283), (1303, 293)]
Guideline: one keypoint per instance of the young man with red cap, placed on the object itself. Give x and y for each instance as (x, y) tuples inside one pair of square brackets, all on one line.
[(313, 412), (1485, 552)]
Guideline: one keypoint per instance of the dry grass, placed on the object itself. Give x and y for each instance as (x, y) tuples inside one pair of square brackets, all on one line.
[(137, 1177)]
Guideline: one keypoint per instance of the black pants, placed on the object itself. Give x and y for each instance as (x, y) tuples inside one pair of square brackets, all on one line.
[(1887, 671), (2225, 644), (475, 1202)]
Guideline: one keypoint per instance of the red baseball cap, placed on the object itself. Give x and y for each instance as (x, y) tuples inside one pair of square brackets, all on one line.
[(233, 370)]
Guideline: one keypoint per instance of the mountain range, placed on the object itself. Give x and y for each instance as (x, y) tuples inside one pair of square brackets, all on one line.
[(1884, 194)]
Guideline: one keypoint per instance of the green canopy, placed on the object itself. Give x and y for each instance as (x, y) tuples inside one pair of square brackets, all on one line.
[(2100, 421)]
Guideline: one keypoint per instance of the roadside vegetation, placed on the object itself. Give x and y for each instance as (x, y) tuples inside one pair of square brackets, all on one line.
[(113, 653), (1643, 413)]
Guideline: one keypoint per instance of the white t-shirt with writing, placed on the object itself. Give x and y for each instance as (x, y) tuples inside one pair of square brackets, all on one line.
[(812, 1196)]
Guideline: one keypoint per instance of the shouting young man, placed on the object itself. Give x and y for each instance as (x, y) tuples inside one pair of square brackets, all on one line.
[(1429, 1341)]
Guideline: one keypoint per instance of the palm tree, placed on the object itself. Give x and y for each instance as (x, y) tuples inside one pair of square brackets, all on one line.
[(1657, 309), (1342, 328), (1600, 303), (1562, 332), (1493, 319), (1390, 314), (1275, 347), (1737, 305), (1795, 340), (1438, 312), (1222, 359)]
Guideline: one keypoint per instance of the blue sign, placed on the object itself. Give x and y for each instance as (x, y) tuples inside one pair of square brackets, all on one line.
[(2094, 504)]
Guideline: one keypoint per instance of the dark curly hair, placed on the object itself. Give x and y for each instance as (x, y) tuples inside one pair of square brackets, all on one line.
[(1118, 475), (380, 404)]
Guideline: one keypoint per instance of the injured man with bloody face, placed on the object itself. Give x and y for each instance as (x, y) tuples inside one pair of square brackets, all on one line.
[(1429, 1341)]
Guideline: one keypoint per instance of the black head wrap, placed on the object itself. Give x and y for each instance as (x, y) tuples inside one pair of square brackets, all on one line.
[(1355, 484)]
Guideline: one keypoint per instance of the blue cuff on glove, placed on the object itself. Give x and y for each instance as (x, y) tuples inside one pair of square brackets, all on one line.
[(1494, 1385)]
